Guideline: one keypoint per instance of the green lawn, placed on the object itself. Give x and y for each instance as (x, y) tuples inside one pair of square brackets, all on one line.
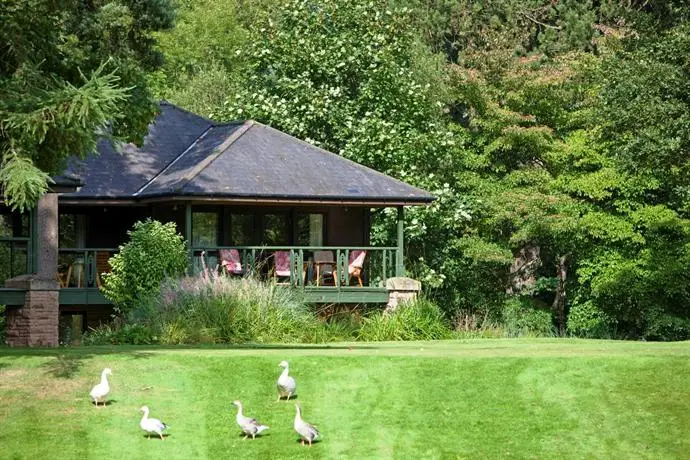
[(470, 399)]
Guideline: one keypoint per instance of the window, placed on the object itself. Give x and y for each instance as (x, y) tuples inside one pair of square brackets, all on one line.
[(242, 229), (309, 230), (204, 229), (13, 224), (14, 244), (67, 231), (276, 231)]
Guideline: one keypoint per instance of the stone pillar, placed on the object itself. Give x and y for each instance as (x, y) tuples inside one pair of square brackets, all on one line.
[(47, 236), (36, 322), (401, 290)]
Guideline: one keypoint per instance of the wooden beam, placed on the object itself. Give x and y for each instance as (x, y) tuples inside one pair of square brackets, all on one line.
[(399, 254), (188, 234)]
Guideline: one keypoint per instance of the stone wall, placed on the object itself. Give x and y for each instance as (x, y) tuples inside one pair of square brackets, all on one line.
[(35, 324)]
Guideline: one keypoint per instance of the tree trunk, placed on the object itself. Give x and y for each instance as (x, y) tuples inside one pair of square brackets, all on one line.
[(559, 300), (523, 269)]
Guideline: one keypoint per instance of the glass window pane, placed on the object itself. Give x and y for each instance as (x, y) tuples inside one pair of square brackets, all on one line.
[(309, 230), (204, 229), (13, 224), (14, 259), (67, 232), (5, 262), (276, 230), (20, 259), (242, 229)]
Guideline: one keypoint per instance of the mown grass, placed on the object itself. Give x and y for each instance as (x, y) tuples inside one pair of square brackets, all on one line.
[(448, 399)]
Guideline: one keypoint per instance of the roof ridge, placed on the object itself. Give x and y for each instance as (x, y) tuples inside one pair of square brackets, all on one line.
[(203, 164), (175, 160), (354, 163), (180, 109)]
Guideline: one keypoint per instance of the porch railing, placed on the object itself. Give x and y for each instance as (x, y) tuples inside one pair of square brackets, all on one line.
[(82, 267), (379, 264)]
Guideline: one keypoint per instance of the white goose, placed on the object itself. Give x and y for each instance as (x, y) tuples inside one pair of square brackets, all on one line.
[(100, 391), (307, 431), (151, 425), (286, 384), (250, 426)]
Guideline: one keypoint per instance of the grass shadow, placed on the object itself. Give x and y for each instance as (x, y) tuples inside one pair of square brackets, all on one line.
[(258, 436), (64, 366), (306, 443), (285, 398), (107, 403), (155, 436)]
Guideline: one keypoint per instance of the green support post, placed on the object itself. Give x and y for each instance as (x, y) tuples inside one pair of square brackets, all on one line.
[(188, 235), (33, 243), (399, 263)]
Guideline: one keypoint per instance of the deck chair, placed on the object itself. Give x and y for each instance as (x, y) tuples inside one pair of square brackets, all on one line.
[(281, 266), (325, 266), (230, 261), (102, 266), (354, 266)]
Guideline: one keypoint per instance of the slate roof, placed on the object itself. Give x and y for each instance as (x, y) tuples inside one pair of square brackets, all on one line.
[(185, 155)]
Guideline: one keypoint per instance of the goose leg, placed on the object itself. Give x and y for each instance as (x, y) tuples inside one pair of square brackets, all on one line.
[(161, 435), (245, 437), (309, 442), (289, 394), (301, 441)]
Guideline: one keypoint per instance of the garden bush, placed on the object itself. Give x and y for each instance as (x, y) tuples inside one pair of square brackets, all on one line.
[(522, 319), (154, 252), (417, 320), (668, 328), (120, 334), (587, 321)]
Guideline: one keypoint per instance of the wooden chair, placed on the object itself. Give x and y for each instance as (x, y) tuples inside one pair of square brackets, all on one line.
[(354, 266), (325, 266), (281, 266), (102, 266), (231, 262), (76, 268)]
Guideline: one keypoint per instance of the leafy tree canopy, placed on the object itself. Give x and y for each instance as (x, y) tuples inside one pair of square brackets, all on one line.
[(71, 71)]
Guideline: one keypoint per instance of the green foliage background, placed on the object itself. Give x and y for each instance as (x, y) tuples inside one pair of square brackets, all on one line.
[(555, 134)]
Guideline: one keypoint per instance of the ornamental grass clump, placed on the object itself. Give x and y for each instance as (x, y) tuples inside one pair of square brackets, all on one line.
[(417, 320), (212, 308)]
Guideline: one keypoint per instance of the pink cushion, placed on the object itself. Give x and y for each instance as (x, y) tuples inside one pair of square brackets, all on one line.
[(282, 263), (230, 260), (356, 260)]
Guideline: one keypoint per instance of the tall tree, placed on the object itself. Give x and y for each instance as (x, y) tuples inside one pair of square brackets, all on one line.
[(71, 71)]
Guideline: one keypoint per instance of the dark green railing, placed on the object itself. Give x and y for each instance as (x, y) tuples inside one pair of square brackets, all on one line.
[(15, 257), (82, 267), (379, 264)]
